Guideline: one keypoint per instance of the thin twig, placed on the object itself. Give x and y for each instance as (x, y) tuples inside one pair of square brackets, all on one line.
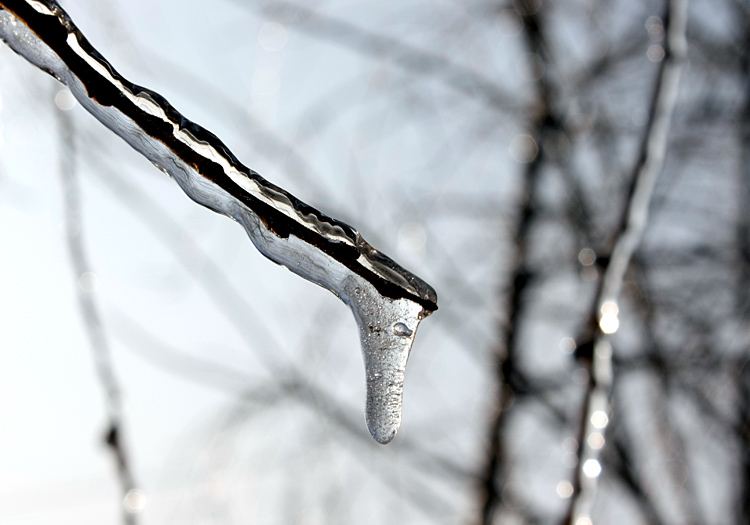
[(85, 286), (649, 165)]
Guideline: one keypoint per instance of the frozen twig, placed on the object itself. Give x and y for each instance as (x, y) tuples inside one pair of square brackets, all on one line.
[(595, 413), (387, 301)]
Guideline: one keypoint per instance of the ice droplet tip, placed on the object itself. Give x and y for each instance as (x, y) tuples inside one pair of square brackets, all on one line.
[(384, 437)]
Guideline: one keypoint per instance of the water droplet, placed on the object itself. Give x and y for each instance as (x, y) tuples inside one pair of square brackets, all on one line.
[(402, 330)]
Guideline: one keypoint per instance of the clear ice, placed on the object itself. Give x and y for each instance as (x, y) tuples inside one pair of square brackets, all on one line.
[(387, 301)]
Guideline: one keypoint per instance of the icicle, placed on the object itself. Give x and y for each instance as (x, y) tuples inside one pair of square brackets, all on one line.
[(387, 301)]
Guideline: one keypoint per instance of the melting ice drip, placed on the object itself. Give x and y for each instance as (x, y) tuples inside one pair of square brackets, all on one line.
[(387, 301)]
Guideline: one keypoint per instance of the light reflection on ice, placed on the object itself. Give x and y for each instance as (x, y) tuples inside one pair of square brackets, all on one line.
[(564, 489), (599, 419), (272, 36), (592, 468)]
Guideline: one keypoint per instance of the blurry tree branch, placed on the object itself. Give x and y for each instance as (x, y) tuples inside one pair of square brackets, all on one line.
[(618, 456), (543, 121), (627, 238), (743, 256), (672, 439), (85, 285), (412, 59)]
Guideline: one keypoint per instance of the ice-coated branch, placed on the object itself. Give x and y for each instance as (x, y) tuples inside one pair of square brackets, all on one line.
[(387, 301), (595, 413)]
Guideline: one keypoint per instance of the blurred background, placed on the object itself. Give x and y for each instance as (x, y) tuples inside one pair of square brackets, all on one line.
[(488, 146)]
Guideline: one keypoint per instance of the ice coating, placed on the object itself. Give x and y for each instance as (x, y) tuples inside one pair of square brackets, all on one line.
[(387, 301)]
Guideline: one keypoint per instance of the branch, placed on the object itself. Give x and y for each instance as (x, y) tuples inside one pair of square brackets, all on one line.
[(494, 473), (743, 296), (649, 165), (387, 301)]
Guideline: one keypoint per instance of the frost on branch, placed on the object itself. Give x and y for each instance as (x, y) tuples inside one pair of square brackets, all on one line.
[(387, 301)]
